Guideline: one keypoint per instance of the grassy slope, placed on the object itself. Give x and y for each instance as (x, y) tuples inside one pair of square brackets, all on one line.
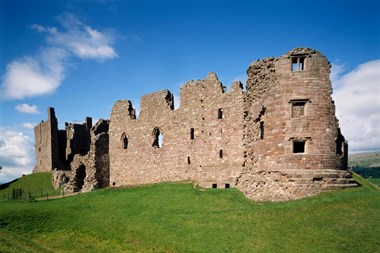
[(35, 184), (179, 218)]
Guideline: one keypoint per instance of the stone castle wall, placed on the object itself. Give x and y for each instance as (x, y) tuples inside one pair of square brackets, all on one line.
[(201, 140), (277, 140)]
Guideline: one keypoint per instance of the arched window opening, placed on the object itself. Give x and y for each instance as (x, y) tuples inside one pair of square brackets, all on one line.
[(124, 141), (157, 138)]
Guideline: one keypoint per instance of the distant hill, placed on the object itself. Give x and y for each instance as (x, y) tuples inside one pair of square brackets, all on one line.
[(367, 160), (367, 165)]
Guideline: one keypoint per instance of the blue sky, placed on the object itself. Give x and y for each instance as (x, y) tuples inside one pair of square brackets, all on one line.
[(81, 56)]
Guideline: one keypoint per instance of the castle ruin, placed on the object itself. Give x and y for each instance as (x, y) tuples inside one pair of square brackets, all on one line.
[(278, 139)]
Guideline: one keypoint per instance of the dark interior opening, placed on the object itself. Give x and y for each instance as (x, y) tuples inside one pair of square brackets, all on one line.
[(299, 147), (125, 142), (227, 186), (214, 186), (192, 134), (80, 176), (220, 113), (261, 130)]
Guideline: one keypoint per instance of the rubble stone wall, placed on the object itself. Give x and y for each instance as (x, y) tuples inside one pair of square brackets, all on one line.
[(277, 140), (201, 140)]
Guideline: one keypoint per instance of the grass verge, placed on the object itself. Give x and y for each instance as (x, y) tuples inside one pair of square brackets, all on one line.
[(174, 217)]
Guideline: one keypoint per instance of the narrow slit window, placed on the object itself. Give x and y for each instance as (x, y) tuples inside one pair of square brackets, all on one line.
[(261, 130), (220, 113), (192, 133), (188, 160), (299, 147), (221, 153)]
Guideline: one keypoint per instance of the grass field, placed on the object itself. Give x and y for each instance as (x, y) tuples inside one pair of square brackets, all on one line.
[(172, 217)]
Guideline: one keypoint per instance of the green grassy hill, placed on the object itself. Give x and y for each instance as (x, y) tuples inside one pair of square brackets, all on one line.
[(38, 184), (173, 217)]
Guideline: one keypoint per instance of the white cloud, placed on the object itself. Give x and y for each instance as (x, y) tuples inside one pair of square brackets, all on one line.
[(16, 154), (357, 99), (34, 76), (44, 72), (80, 39), (26, 108), (28, 125), (336, 73)]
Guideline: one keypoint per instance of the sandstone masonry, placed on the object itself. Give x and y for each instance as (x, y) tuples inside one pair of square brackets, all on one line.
[(277, 140)]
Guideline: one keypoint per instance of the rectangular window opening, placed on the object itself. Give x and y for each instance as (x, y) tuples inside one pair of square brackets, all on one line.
[(227, 186), (214, 186), (298, 147), (298, 63), (221, 153), (188, 160)]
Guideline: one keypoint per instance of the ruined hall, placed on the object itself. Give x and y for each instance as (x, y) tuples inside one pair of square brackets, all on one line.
[(275, 138)]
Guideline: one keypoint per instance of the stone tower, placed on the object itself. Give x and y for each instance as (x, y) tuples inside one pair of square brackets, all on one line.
[(46, 144), (54, 148), (293, 145)]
